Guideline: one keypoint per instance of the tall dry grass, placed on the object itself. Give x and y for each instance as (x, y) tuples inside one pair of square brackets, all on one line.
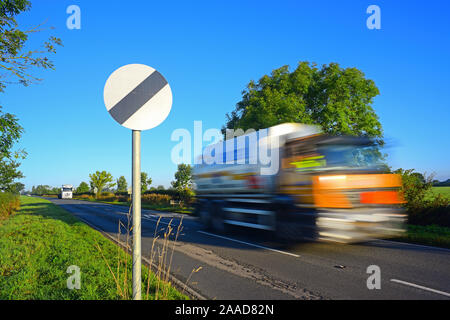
[(9, 204), (158, 272), (156, 199)]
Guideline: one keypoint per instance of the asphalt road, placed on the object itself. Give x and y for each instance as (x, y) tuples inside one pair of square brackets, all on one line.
[(245, 264)]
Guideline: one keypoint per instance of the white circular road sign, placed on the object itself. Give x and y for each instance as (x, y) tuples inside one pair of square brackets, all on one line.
[(137, 97)]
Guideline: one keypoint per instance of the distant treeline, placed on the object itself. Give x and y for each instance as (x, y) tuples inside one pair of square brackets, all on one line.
[(445, 183), (41, 190)]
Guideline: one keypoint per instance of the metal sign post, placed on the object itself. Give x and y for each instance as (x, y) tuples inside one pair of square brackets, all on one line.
[(138, 98), (136, 206)]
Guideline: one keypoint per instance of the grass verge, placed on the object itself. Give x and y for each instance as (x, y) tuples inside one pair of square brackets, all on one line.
[(427, 235), (41, 241)]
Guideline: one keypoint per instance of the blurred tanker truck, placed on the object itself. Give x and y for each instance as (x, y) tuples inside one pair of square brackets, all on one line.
[(320, 187)]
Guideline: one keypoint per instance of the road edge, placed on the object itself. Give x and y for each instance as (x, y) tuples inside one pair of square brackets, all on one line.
[(179, 285)]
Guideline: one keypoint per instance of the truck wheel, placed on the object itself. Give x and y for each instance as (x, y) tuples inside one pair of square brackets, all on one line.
[(288, 231), (217, 218), (205, 215)]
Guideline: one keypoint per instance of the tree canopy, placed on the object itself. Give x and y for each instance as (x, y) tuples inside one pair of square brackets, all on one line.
[(337, 99), (9, 173), (10, 133), (83, 188), (13, 59), (183, 177), (122, 185), (146, 181), (101, 180)]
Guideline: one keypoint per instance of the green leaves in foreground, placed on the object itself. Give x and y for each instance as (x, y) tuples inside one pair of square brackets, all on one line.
[(41, 241)]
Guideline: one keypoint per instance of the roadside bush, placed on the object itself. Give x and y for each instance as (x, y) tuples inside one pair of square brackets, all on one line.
[(78, 194), (430, 212), (123, 198), (156, 199), (421, 209), (153, 197), (107, 196), (85, 196), (186, 195), (9, 204), (415, 187)]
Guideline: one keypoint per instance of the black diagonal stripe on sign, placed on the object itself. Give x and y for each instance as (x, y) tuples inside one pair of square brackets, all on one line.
[(133, 101)]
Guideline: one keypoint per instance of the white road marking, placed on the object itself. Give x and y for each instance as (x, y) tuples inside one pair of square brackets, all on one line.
[(151, 218), (421, 287), (250, 244), (160, 221)]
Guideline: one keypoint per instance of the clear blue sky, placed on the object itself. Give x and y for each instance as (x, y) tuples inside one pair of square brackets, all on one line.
[(209, 51)]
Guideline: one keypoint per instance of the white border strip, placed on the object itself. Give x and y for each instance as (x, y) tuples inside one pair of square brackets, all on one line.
[(250, 244), (421, 287), (153, 219)]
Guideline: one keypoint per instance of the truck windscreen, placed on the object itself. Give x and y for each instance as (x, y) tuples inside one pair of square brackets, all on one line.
[(352, 156)]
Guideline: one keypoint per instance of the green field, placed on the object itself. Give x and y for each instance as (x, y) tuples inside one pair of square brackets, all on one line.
[(444, 191), (39, 243)]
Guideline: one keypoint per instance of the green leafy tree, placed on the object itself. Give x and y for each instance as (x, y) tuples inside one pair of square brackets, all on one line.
[(17, 188), (420, 178), (145, 181), (83, 188), (160, 188), (10, 133), (16, 65), (9, 173), (122, 185), (15, 61), (183, 177), (101, 180), (338, 100), (415, 187)]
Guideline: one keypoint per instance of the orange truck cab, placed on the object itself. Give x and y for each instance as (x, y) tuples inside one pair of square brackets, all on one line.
[(340, 189)]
